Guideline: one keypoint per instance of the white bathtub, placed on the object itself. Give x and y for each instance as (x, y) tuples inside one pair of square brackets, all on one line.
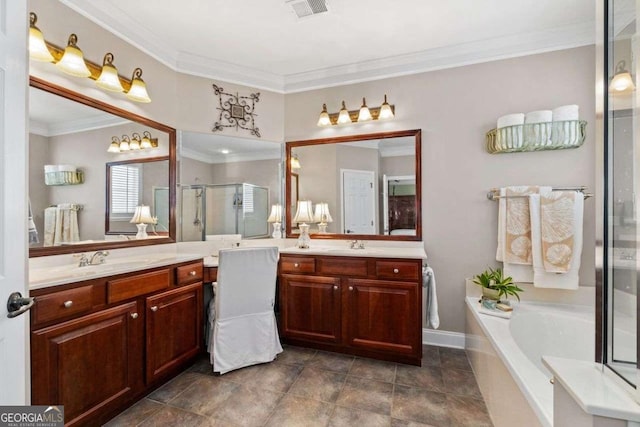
[(534, 330)]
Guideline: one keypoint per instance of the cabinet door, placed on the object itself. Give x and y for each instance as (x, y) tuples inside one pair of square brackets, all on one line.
[(310, 307), (384, 316), (91, 365), (174, 329)]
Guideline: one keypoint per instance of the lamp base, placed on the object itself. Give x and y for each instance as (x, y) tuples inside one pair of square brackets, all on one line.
[(277, 230), (142, 231), (322, 228), (304, 239)]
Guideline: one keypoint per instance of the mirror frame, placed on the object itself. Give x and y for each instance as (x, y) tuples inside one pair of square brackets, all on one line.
[(115, 244), (107, 200), (417, 133)]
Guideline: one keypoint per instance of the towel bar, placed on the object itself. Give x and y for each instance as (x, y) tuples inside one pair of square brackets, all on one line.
[(494, 193)]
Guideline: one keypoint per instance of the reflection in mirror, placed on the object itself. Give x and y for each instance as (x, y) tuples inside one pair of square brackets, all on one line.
[(69, 132), (227, 185), (368, 183), (133, 183)]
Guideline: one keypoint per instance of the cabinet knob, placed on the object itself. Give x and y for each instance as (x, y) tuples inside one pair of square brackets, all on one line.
[(154, 308), (350, 288), (335, 287), (68, 304), (134, 315), (192, 273), (396, 271), (296, 265)]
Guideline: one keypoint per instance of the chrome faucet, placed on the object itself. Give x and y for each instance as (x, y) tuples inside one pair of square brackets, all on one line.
[(83, 261), (98, 257), (356, 244)]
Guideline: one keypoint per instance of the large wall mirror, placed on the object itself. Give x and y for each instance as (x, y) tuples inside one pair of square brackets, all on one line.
[(227, 185), (70, 194), (369, 184)]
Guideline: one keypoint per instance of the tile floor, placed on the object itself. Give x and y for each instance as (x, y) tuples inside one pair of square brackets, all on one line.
[(309, 388)]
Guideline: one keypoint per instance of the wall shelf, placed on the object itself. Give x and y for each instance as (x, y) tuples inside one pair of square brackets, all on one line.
[(537, 137), (64, 178)]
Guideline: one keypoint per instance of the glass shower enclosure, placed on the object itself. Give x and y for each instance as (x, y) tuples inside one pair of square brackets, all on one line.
[(212, 209)]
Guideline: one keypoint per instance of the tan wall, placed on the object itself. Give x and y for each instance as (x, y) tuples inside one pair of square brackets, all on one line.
[(195, 172), (263, 173), (455, 108), (38, 192)]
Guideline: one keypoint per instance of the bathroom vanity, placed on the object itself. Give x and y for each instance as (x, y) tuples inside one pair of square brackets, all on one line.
[(366, 303), (99, 344)]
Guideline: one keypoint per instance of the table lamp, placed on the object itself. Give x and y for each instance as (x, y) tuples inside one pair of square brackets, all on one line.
[(304, 214), (276, 219), (322, 217), (141, 218)]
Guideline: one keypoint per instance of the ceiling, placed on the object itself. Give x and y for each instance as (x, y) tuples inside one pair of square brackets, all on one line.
[(220, 148), (262, 44)]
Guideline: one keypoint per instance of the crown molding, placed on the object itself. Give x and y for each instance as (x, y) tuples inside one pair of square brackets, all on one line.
[(122, 25), (74, 126)]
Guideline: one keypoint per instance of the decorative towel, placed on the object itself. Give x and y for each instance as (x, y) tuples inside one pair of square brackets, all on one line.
[(429, 282), (541, 277), (556, 229), (514, 232), (61, 224), (33, 232), (50, 215)]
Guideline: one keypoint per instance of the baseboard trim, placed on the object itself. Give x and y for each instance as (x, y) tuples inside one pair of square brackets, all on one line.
[(443, 338)]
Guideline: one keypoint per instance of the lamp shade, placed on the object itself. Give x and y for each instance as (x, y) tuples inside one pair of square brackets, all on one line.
[(135, 142), (146, 140), (385, 110), (37, 46), (295, 162), (276, 214), (364, 114), (622, 81), (124, 143), (109, 79), (142, 215), (138, 90), (304, 212), (72, 61), (343, 115), (114, 147), (324, 119), (322, 214)]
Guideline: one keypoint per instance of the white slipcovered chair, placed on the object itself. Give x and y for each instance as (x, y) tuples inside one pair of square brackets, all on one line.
[(244, 330)]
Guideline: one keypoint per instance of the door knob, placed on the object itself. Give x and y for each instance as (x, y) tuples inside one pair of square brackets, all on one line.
[(17, 304)]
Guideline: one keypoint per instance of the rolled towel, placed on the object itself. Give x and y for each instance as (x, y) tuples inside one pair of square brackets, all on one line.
[(50, 168), (511, 137), (66, 168), (566, 112), (539, 133)]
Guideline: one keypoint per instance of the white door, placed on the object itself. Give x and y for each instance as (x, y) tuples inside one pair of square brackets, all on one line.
[(14, 333), (358, 201)]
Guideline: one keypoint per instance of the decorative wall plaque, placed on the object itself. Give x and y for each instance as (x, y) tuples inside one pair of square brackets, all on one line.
[(236, 111)]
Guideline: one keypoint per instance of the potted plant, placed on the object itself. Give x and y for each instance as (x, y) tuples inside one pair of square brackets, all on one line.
[(495, 285)]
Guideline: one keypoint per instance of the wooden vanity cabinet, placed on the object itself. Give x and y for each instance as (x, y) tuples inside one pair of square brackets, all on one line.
[(99, 345), (357, 305)]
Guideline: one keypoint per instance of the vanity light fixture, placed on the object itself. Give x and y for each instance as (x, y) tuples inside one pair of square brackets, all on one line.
[(322, 216), (622, 80), (141, 218), (276, 219), (109, 79), (71, 61), (304, 214), (119, 145), (345, 116), (295, 162)]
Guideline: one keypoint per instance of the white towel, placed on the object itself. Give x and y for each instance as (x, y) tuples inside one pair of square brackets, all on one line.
[(540, 116), (61, 225), (50, 215), (429, 282), (538, 131), (565, 129), (512, 137), (541, 278), (566, 112)]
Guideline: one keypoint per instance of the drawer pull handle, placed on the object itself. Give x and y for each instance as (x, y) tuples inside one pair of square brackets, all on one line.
[(134, 315), (154, 308), (68, 304), (296, 265), (335, 287), (192, 273), (396, 271), (350, 288)]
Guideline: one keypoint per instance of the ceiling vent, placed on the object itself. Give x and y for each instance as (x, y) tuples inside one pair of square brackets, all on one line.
[(307, 8)]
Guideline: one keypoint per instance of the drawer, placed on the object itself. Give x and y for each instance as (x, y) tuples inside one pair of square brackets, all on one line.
[(342, 266), (139, 284), (63, 304), (398, 270), (189, 273), (289, 264)]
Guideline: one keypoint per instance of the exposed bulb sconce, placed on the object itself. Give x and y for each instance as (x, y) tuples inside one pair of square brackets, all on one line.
[(622, 80), (295, 162), (37, 46), (109, 79), (135, 143), (345, 116), (138, 90), (71, 61)]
